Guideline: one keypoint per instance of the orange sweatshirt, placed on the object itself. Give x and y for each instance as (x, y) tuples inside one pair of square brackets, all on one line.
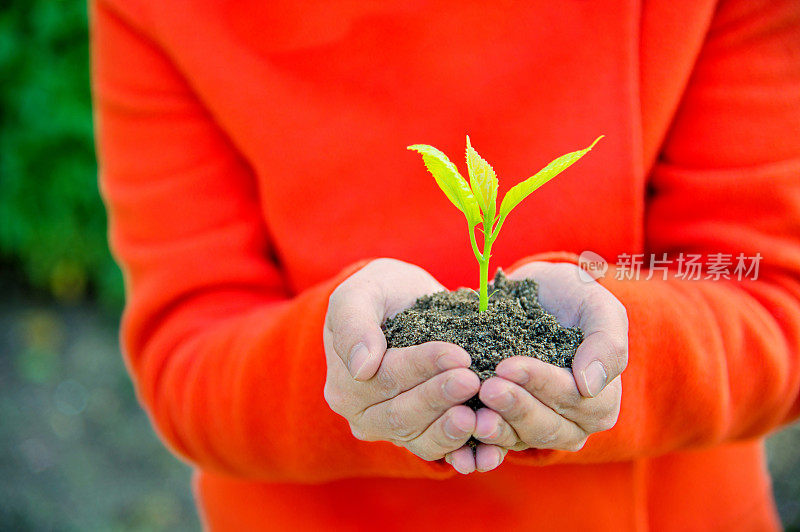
[(252, 156)]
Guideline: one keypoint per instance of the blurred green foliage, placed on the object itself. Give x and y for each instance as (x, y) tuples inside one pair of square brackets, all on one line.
[(52, 222)]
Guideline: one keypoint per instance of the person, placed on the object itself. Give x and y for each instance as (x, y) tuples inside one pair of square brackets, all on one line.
[(267, 217)]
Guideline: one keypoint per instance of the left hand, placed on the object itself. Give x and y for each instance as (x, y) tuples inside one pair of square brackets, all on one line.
[(532, 404), (411, 396)]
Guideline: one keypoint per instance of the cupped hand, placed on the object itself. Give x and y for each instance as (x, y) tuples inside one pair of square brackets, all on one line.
[(411, 396), (532, 404)]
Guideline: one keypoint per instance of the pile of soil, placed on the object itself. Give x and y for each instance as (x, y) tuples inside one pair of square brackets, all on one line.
[(514, 324)]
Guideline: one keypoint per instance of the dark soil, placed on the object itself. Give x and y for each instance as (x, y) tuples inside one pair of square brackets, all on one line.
[(514, 324)]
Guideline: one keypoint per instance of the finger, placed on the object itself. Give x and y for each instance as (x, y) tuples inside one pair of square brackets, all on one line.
[(359, 305), (462, 460), (354, 323), (488, 457), (555, 387), (404, 368), (447, 434), (601, 358), (603, 354), (535, 423), (406, 416), (492, 429), (560, 290)]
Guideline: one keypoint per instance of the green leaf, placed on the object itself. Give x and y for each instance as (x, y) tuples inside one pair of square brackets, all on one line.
[(483, 180), (522, 190), (450, 181)]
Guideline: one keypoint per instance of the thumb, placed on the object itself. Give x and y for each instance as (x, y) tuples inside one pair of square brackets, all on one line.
[(354, 319)]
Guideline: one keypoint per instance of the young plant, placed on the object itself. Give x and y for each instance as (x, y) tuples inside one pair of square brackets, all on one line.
[(478, 199)]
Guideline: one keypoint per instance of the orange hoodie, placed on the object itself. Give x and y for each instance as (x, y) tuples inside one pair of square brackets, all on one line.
[(252, 155)]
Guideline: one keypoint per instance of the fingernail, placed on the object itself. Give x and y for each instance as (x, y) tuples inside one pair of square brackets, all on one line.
[(358, 357), (453, 361), (517, 374), (503, 400), (489, 434), (456, 389), (450, 430), (453, 431), (460, 469), (464, 469), (497, 459), (493, 461), (594, 376)]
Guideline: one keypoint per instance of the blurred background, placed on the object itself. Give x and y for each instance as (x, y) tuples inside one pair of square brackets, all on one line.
[(76, 451)]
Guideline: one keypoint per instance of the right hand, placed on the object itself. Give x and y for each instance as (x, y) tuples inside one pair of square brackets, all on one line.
[(411, 396)]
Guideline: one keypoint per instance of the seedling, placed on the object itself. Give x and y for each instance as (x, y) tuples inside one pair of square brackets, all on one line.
[(478, 199)]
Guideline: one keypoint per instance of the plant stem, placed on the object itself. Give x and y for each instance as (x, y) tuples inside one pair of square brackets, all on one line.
[(488, 240), (483, 295), (489, 237), (497, 228), (483, 261), (474, 244)]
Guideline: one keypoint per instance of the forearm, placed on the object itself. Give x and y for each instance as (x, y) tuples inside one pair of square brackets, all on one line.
[(242, 394), (226, 359), (710, 362)]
